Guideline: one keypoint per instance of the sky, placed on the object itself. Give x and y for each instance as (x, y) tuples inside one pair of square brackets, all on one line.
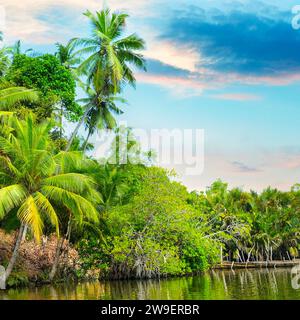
[(231, 68)]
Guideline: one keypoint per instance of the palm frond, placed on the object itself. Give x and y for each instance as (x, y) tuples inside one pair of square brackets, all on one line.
[(45, 206), (11, 197), (10, 96), (30, 215)]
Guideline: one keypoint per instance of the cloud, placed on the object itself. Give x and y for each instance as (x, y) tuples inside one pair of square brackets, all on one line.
[(220, 48), (182, 57), (237, 97), (190, 48), (239, 42), (242, 167), (178, 86), (47, 21)]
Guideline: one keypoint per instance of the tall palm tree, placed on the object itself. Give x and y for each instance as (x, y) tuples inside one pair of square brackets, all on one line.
[(67, 58), (67, 55), (38, 182), (108, 51), (98, 110), (109, 56)]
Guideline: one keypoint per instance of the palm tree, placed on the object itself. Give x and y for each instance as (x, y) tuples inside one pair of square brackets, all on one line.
[(99, 110), (4, 61), (110, 56), (39, 182), (67, 56), (108, 51), (17, 49), (68, 59)]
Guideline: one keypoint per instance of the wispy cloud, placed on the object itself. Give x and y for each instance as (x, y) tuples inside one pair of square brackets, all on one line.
[(242, 167), (24, 20), (183, 57), (203, 48), (179, 86), (238, 41), (237, 97)]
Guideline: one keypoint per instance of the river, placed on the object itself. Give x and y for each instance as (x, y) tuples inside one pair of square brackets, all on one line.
[(239, 284)]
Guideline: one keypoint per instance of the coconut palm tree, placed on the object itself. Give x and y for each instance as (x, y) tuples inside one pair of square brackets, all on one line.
[(98, 110), (68, 59), (109, 61), (39, 182), (108, 51), (67, 55)]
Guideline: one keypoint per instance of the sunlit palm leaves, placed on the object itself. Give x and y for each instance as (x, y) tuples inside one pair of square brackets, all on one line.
[(10, 96), (108, 52), (40, 181), (4, 61)]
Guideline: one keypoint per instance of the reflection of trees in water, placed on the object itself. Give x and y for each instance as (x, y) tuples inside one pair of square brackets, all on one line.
[(257, 284), (149, 289), (217, 284)]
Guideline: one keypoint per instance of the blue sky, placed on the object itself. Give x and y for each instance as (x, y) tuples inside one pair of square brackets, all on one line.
[(231, 68)]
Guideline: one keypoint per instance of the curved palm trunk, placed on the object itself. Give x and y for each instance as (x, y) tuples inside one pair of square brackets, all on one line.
[(61, 120), (58, 252), (56, 258), (86, 142), (14, 256), (76, 130)]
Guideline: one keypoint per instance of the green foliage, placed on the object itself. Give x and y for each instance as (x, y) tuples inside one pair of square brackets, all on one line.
[(37, 180), (18, 279), (126, 220), (54, 81), (94, 255), (109, 57), (155, 233), (13, 95)]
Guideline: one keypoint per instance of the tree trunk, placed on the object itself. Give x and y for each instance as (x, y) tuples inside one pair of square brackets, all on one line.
[(76, 130), (14, 256), (221, 255), (86, 141), (61, 120), (56, 258), (25, 232), (60, 243)]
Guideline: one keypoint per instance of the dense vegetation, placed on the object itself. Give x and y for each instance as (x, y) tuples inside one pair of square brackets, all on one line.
[(124, 220)]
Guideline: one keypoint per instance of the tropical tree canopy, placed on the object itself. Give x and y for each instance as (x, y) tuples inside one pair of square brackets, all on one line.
[(109, 52), (36, 182)]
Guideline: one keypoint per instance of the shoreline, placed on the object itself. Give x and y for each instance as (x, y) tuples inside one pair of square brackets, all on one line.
[(257, 264)]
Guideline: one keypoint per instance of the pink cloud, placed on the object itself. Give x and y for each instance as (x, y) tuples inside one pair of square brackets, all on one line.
[(272, 80), (205, 79), (237, 97), (178, 85), (290, 163)]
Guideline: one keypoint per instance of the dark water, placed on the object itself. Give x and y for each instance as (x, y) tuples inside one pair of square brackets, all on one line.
[(240, 284)]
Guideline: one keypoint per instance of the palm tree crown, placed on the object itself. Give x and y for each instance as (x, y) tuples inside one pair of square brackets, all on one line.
[(35, 181), (108, 51)]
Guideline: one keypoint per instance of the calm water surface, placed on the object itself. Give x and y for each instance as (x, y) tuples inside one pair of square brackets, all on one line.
[(238, 284)]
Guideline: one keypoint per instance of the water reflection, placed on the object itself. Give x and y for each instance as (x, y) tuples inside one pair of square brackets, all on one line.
[(227, 284)]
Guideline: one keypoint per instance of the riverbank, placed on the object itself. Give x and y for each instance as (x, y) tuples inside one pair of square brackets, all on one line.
[(35, 260), (258, 264), (260, 284)]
